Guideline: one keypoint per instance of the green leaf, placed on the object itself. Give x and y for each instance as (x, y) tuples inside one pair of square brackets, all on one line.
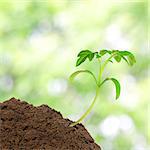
[(80, 60), (73, 75), (115, 51), (103, 52), (124, 58), (90, 56), (130, 57), (117, 58), (83, 55), (110, 61), (83, 52), (117, 85), (125, 53), (116, 54), (97, 55)]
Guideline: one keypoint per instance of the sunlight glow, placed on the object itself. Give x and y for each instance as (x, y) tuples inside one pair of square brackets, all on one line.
[(130, 94), (57, 86), (112, 125), (115, 37)]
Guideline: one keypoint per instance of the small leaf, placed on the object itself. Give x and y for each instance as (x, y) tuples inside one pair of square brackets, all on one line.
[(103, 52), (83, 52), (83, 55), (125, 53), (97, 55), (115, 51), (73, 75), (80, 60), (111, 61), (130, 57), (117, 85), (90, 56), (125, 59), (117, 58), (115, 55)]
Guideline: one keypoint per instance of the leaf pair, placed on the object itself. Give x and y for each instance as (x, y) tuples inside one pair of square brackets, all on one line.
[(115, 81)]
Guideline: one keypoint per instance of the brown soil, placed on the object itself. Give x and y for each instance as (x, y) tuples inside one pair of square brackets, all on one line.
[(25, 127)]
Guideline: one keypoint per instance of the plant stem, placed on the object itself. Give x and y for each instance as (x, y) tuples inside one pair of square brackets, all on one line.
[(88, 110), (100, 73), (101, 69)]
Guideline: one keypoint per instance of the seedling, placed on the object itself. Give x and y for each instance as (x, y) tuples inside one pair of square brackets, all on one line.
[(116, 55)]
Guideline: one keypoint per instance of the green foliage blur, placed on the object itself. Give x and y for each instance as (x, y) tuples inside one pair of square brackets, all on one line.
[(39, 43)]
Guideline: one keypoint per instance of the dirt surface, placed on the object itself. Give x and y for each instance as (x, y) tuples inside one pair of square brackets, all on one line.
[(25, 127)]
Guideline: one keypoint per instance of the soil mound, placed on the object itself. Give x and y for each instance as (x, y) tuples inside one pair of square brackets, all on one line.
[(25, 127)]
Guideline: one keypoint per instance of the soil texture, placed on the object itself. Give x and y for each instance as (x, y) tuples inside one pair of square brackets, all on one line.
[(25, 127)]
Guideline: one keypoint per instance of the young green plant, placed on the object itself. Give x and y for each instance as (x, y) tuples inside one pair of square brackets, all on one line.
[(116, 55)]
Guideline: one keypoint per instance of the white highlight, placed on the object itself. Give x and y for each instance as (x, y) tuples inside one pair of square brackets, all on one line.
[(112, 125), (57, 86)]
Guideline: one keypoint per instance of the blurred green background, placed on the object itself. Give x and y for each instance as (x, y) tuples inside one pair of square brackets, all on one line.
[(39, 42)]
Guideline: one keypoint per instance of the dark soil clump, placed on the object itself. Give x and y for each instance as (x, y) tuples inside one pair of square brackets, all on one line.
[(25, 127)]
